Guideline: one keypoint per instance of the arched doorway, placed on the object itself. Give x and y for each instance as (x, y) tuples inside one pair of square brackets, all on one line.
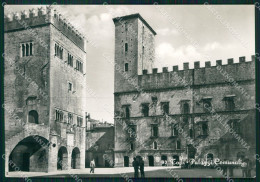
[(33, 117), (151, 160), (62, 163), (210, 157), (176, 160), (30, 154), (75, 158), (126, 161)]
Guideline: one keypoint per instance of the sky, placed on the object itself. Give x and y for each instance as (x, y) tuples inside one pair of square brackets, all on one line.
[(185, 33)]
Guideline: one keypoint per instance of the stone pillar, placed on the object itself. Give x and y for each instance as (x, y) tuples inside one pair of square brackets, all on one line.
[(53, 154)]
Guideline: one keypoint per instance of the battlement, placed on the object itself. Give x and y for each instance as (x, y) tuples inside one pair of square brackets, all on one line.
[(44, 16), (197, 65), (243, 70)]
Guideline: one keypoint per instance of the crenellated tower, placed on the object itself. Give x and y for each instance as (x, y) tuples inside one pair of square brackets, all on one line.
[(134, 50)]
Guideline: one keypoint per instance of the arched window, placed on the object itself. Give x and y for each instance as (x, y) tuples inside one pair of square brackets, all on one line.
[(27, 49), (31, 47), (126, 66), (33, 117), (155, 145)]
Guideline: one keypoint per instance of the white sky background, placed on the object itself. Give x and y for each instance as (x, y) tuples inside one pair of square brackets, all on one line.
[(173, 47)]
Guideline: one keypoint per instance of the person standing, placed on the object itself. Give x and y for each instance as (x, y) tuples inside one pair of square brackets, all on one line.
[(249, 166), (92, 166), (244, 168), (141, 164), (136, 166)]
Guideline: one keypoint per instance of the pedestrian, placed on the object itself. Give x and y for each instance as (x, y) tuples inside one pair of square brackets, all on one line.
[(249, 167), (136, 166), (224, 167), (141, 164), (244, 168), (92, 166), (230, 169)]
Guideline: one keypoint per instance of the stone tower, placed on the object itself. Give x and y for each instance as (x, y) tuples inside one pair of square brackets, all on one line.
[(44, 85), (134, 50)]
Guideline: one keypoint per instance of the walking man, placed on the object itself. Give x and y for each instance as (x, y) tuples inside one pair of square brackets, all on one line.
[(141, 164), (92, 166), (135, 165)]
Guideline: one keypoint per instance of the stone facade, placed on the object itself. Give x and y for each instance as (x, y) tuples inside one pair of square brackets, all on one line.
[(100, 143), (44, 109), (179, 114)]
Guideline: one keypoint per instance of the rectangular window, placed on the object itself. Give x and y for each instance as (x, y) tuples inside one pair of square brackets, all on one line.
[(126, 47), (70, 60), (145, 110), (165, 108), (230, 104), (58, 51), (79, 66), (175, 130), (154, 130), (127, 112), (70, 118), (234, 123), (69, 87)]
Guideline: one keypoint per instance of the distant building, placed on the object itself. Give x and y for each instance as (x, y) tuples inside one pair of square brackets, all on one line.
[(179, 114), (44, 83), (100, 143)]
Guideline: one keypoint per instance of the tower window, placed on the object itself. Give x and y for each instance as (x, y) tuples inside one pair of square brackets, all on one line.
[(79, 66), (126, 47), (58, 51), (155, 145), (58, 115), (234, 123), (154, 130), (131, 146), (165, 108), (69, 87), (174, 130), (191, 133), (145, 110), (26, 49), (229, 103), (127, 112), (33, 117), (70, 118), (186, 108), (126, 66), (70, 60), (178, 145)]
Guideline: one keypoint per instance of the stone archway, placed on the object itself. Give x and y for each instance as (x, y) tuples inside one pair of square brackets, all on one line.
[(75, 158), (62, 163), (30, 154)]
